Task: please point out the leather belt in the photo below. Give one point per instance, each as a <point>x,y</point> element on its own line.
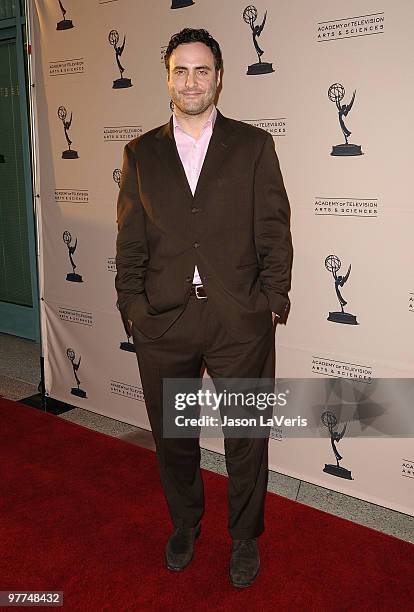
<point>199,292</point>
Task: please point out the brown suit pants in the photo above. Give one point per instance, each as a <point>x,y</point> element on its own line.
<point>197,340</point>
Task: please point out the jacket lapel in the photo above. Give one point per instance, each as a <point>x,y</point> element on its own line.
<point>218,150</point>
<point>167,150</point>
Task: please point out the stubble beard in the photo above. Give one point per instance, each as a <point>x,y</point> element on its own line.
<point>194,106</point>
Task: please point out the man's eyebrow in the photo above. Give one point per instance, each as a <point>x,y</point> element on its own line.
<point>204,67</point>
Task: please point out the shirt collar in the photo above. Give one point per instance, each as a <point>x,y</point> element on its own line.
<point>211,120</point>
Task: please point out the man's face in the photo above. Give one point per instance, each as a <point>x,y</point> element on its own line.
<point>192,79</point>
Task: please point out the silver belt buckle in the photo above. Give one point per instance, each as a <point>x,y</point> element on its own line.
<point>199,297</point>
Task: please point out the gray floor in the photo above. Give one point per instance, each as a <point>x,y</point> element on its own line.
<point>19,378</point>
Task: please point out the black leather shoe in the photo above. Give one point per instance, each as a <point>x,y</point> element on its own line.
<point>244,563</point>
<point>180,547</point>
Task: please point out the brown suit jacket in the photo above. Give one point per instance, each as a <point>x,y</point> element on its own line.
<point>236,229</point>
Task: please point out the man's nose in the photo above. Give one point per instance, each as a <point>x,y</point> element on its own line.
<point>191,80</point>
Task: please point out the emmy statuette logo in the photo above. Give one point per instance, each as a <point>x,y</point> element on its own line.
<point>336,94</point>
<point>177,4</point>
<point>72,276</point>
<point>75,390</point>
<point>122,82</point>
<point>65,24</point>
<point>333,265</point>
<point>330,421</point>
<point>116,175</point>
<point>128,345</point>
<point>69,153</point>
<point>250,16</point>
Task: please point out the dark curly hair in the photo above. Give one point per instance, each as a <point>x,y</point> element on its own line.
<point>189,35</point>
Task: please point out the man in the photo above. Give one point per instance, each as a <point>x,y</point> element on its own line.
<point>203,260</point>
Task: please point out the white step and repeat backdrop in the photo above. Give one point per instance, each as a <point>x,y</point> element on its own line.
<point>339,106</point>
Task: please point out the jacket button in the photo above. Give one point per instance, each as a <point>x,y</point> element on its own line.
<point>196,245</point>
<point>194,209</point>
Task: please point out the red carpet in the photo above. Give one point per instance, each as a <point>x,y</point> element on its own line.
<point>83,513</point>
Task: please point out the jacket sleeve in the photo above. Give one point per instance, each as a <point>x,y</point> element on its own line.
<point>131,245</point>
<point>272,229</point>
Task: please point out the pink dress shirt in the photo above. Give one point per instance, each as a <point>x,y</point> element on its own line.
<point>192,152</point>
